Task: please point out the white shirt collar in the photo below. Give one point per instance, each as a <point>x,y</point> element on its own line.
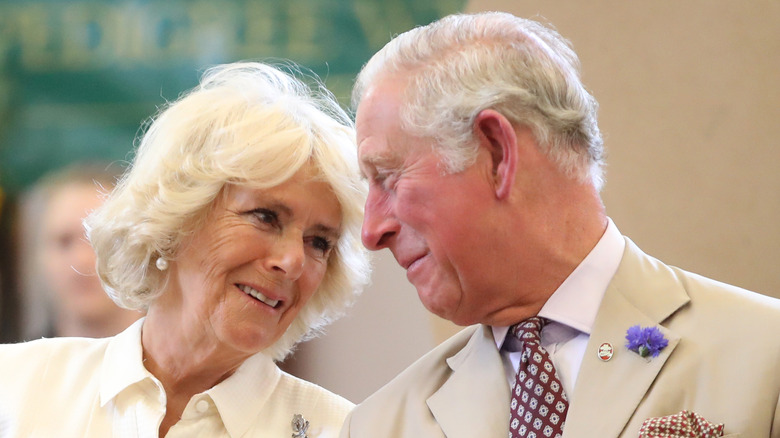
<point>576,301</point>
<point>239,398</point>
<point>123,364</point>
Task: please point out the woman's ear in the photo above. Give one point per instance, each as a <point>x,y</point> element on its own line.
<point>497,135</point>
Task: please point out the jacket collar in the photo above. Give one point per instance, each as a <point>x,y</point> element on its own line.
<point>474,401</point>
<point>643,292</point>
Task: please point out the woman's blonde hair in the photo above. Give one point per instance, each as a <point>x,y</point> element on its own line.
<point>249,124</point>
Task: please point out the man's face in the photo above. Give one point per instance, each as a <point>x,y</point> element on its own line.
<point>432,222</point>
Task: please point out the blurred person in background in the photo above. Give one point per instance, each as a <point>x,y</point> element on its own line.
<point>65,261</point>
<point>237,229</point>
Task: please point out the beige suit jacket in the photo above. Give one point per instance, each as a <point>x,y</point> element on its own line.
<point>722,362</point>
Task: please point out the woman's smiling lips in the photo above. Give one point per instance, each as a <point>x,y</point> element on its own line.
<point>258,296</point>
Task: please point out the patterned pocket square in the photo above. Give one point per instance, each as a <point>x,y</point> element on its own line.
<point>683,425</point>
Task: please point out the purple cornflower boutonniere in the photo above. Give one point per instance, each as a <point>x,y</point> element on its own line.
<point>648,341</point>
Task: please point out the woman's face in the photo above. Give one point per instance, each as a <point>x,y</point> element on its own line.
<point>257,259</point>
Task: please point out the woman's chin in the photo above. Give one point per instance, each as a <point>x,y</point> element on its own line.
<point>249,342</point>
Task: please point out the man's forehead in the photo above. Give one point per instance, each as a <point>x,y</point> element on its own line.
<point>376,156</point>
<point>378,109</point>
<point>377,125</point>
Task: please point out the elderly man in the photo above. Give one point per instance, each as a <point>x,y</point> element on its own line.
<point>485,163</point>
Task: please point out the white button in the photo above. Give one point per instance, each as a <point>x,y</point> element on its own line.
<point>202,406</point>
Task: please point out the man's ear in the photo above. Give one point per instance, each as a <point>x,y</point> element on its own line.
<point>497,135</point>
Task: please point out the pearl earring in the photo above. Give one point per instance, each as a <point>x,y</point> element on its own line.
<point>161,263</point>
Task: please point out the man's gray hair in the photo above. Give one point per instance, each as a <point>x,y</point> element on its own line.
<point>463,64</point>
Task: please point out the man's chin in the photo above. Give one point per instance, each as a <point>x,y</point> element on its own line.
<point>446,309</point>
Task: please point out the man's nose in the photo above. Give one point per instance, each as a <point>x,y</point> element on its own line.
<point>379,223</point>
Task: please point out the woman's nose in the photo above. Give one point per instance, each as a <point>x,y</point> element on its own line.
<point>287,257</point>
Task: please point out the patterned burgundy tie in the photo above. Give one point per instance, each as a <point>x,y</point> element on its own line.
<point>539,404</point>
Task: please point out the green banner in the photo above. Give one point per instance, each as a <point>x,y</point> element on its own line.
<point>77,78</point>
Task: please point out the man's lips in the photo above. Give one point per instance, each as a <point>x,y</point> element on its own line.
<point>408,263</point>
<point>258,296</point>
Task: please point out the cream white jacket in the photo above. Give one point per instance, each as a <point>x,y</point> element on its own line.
<point>78,387</point>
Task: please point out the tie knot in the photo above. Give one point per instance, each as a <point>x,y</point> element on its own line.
<point>528,330</point>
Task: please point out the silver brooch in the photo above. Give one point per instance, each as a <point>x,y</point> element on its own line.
<point>299,426</point>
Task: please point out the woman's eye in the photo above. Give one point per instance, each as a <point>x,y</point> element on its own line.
<point>322,244</point>
<point>266,216</point>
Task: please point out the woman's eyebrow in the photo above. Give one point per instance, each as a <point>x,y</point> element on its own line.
<point>285,210</point>
<point>333,233</point>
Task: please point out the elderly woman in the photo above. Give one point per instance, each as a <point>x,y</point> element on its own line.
<point>237,229</point>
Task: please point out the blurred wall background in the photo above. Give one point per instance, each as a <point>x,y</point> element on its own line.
<point>689,109</point>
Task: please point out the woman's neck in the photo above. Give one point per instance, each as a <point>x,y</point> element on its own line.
<point>185,363</point>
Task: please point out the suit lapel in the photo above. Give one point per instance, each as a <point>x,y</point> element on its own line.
<point>474,401</point>
<point>643,292</point>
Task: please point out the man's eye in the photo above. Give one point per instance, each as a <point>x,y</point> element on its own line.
<point>378,179</point>
<point>384,180</point>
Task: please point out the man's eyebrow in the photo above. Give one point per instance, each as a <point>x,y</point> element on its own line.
<point>375,161</point>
